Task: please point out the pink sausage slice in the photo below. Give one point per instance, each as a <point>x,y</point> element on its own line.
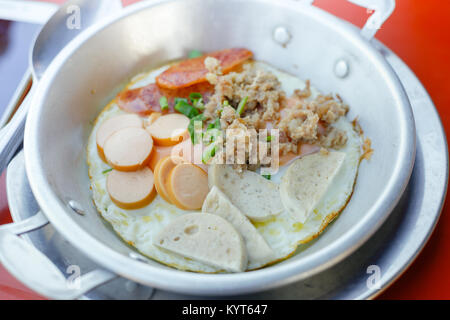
<point>131,190</point>
<point>112,125</point>
<point>188,186</point>
<point>129,149</point>
<point>169,130</point>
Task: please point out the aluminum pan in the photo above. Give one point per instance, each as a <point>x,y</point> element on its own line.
<point>53,204</point>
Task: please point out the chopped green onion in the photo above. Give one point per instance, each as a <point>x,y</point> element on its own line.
<point>107,170</point>
<point>213,130</point>
<point>176,100</point>
<point>182,106</point>
<point>267,176</point>
<point>269,138</point>
<point>209,153</point>
<point>241,106</point>
<point>211,135</point>
<point>191,128</point>
<point>163,103</point>
<point>214,125</point>
<point>195,96</point>
<point>226,103</point>
<point>199,104</point>
<point>195,54</point>
<point>197,100</point>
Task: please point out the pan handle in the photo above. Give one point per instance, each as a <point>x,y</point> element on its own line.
<point>32,267</point>
<point>11,135</point>
<point>382,11</point>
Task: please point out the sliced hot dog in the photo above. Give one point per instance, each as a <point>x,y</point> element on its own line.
<point>187,186</point>
<point>131,190</point>
<point>152,118</point>
<point>190,153</point>
<point>192,71</point>
<point>159,152</point>
<point>128,149</point>
<point>169,129</point>
<point>185,150</point>
<point>112,125</point>
<point>162,171</point>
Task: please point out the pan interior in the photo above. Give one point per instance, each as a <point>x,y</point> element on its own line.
<point>143,40</point>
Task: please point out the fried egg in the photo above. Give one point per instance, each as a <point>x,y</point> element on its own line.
<point>139,227</point>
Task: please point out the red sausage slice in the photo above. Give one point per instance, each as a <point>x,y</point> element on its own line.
<point>192,71</point>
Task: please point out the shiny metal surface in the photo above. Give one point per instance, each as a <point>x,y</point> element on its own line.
<point>21,259</point>
<point>399,241</point>
<point>60,30</point>
<point>62,258</point>
<point>27,11</point>
<point>382,10</point>
<point>54,36</point>
<point>89,69</point>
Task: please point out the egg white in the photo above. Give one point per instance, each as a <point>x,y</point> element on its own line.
<point>284,235</point>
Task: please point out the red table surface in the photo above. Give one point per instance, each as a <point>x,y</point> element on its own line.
<point>418,32</point>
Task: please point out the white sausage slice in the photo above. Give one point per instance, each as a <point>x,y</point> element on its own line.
<point>259,252</point>
<point>170,129</point>
<point>207,238</point>
<point>128,149</point>
<point>131,190</point>
<point>112,125</point>
<point>187,186</point>
<point>306,181</point>
<point>258,198</point>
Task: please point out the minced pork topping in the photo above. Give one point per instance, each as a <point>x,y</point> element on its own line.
<point>300,118</point>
